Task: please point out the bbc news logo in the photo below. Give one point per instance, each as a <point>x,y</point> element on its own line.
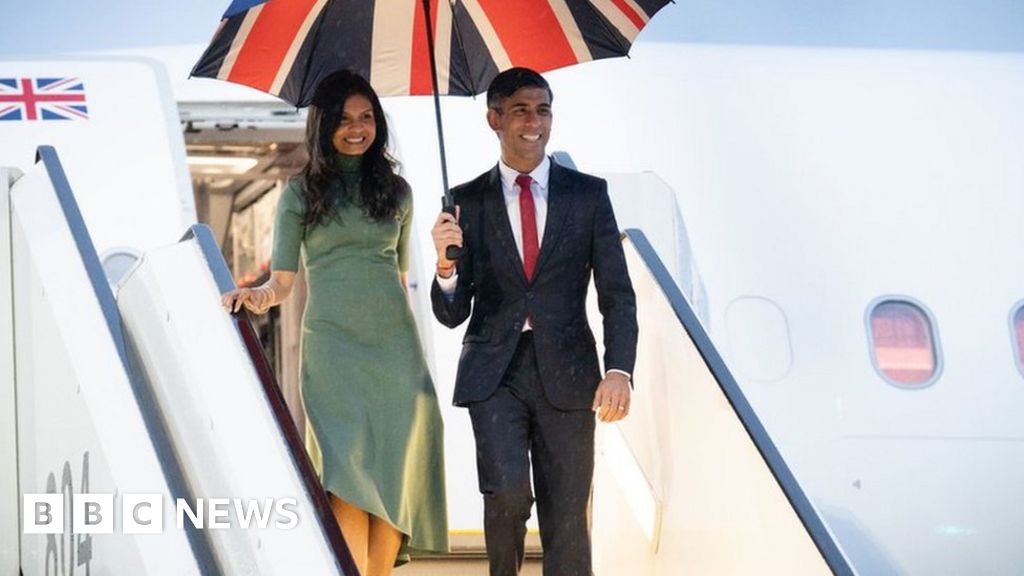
<point>144,513</point>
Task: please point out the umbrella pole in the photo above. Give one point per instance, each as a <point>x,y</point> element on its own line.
<point>447,200</point>
<point>447,203</point>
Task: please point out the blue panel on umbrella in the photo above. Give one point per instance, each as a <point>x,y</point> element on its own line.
<point>239,6</point>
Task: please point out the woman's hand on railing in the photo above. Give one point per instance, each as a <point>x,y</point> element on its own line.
<point>259,299</point>
<point>256,300</point>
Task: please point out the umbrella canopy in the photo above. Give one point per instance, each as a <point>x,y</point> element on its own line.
<point>410,47</point>
<point>286,47</point>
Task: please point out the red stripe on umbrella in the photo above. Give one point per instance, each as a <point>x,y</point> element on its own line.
<point>530,32</point>
<point>268,42</point>
<point>419,73</point>
<point>626,9</point>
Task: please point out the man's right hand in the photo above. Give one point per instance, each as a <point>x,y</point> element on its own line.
<point>446,232</point>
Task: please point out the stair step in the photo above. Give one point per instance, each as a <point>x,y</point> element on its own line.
<point>459,566</point>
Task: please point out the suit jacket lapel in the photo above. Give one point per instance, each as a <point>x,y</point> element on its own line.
<point>560,200</point>
<point>497,213</point>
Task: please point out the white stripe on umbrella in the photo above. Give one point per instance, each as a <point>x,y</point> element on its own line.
<point>391,49</point>
<point>296,45</point>
<point>486,30</point>
<point>239,41</point>
<point>443,45</point>
<point>617,18</point>
<point>571,30</point>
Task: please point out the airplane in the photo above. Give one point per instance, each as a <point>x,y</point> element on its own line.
<point>823,242</point>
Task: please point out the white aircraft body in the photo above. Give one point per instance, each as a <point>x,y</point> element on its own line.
<point>844,223</point>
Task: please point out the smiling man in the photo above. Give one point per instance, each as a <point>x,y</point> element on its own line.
<point>534,233</point>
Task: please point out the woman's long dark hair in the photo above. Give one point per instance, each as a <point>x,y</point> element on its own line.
<point>379,186</point>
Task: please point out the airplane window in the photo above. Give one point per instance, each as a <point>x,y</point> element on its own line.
<point>903,343</point>
<point>1018,331</point>
<point>758,339</point>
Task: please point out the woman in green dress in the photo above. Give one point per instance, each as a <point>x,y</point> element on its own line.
<point>374,427</point>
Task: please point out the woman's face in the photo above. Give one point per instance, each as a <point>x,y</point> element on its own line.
<point>358,127</point>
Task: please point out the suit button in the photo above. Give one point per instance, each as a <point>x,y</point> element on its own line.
<point>529,296</point>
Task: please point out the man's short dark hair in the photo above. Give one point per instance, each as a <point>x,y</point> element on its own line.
<point>506,83</point>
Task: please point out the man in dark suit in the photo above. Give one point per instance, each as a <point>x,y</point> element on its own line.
<point>534,232</point>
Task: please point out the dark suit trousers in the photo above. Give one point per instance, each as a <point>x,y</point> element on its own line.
<point>513,427</point>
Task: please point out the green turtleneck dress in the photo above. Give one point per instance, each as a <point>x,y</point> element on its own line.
<point>374,428</point>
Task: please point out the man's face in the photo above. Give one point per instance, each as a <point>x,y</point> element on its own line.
<point>523,125</point>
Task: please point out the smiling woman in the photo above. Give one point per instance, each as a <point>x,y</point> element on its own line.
<point>372,414</point>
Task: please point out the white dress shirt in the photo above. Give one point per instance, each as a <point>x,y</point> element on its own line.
<point>510,190</point>
<point>539,191</point>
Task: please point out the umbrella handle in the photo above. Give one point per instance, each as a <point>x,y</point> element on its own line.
<point>452,252</point>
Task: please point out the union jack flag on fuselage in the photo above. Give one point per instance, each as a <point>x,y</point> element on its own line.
<point>27,99</point>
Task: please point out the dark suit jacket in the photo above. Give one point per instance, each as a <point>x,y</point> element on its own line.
<point>580,237</point>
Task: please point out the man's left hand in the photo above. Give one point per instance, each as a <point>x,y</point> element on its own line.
<point>611,402</point>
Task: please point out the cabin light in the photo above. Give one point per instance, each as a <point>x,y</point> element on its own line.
<point>219,183</point>
<point>221,164</point>
<point>635,487</point>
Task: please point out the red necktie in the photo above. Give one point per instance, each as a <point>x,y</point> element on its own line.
<point>528,220</point>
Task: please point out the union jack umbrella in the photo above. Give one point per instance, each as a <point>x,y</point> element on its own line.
<point>286,47</point>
